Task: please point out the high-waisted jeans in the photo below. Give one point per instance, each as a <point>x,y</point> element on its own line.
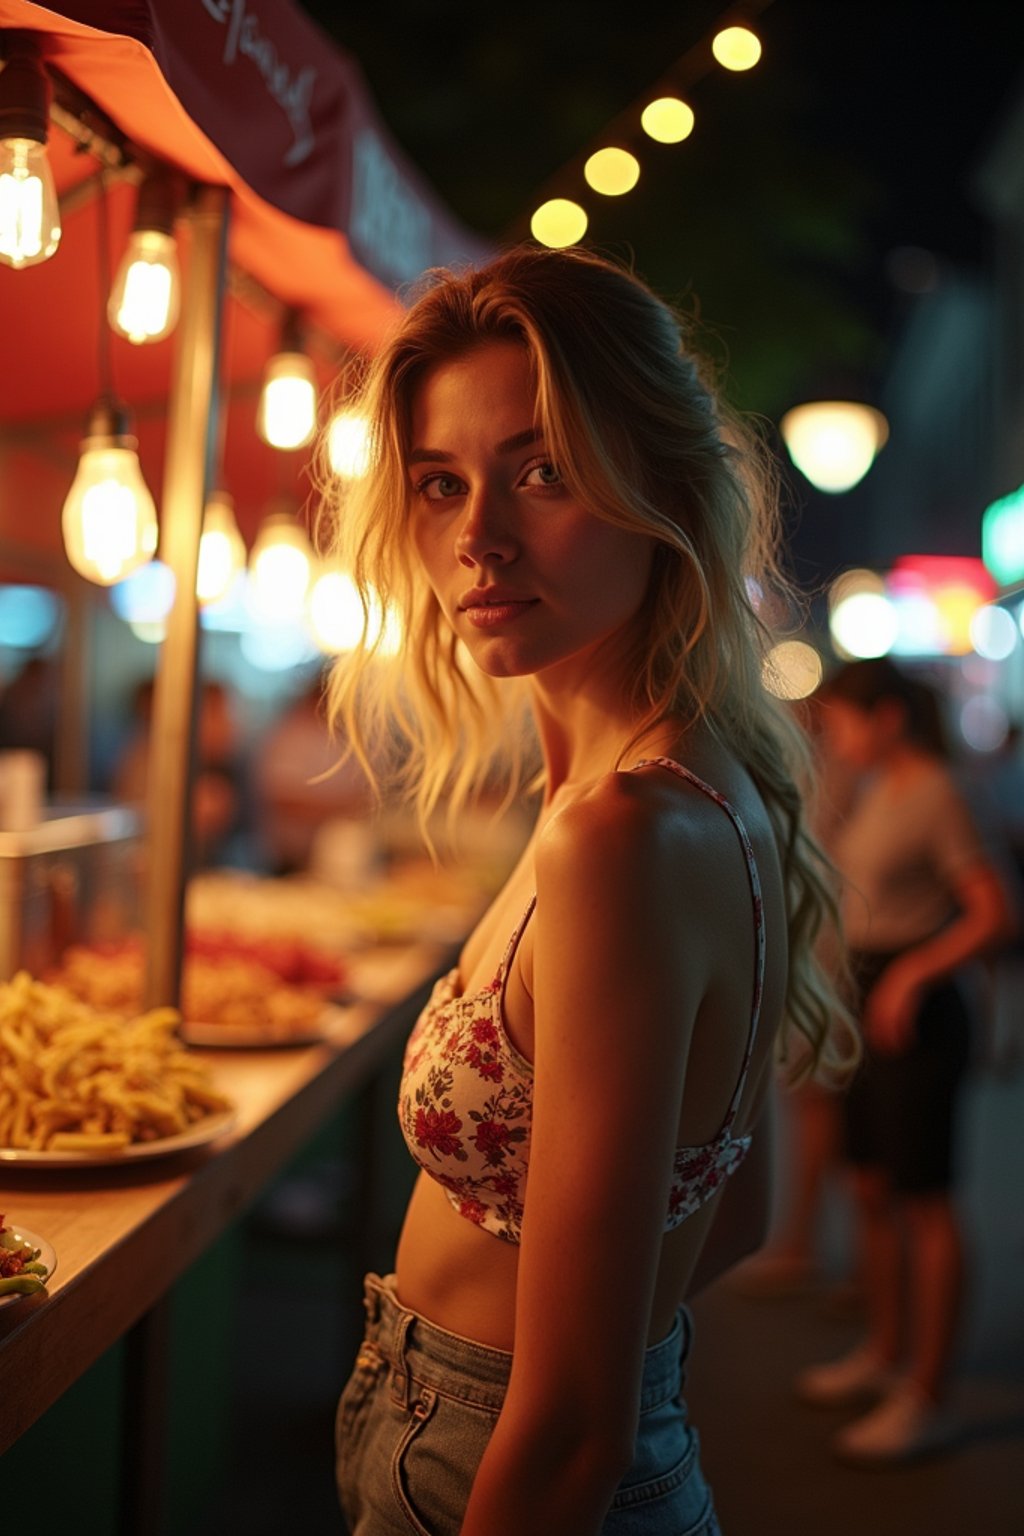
<point>419,1408</point>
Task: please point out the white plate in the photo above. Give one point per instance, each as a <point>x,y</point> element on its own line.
<point>197,1135</point>
<point>47,1256</point>
<point>263,1037</point>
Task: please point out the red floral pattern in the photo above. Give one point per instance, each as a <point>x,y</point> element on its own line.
<point>466,1100</point>
<point>463,1075</point>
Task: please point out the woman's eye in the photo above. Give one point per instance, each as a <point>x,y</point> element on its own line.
<point>543,475</point>
<point>439,487</point>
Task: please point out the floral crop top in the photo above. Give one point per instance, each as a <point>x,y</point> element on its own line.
<point>466,1098</point>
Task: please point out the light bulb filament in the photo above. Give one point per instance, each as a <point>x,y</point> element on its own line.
<point>24,236</point>
<point>147,297</point>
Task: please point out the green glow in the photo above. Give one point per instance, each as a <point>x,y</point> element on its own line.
<point>1002,538</point>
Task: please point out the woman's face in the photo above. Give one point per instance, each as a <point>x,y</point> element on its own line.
<point>528,578</point>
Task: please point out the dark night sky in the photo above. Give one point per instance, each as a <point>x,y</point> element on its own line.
<point>857,135</point>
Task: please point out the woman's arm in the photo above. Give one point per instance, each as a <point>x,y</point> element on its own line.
<point>616,995</point>
<point>985,918</point>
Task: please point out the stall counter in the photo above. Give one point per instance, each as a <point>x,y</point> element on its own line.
<point>124,1235</point>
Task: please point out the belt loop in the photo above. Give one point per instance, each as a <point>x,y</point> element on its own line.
<point>371,1303</point>
<point>686,1318</point>
<point>399,1373</point>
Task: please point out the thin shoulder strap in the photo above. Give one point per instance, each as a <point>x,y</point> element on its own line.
<point>758,903</point>
<point>513,944</point>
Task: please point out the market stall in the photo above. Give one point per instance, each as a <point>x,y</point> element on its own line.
<point>250,146</point>
<point>254,146</point>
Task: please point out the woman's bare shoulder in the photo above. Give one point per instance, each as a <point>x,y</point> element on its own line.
<point>628,831</point>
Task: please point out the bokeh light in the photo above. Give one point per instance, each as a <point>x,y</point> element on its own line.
<point>857,579</point>
<point>280,568</point>
<point>287,411</point>
<point>612,171</point>
<point>864,624</point>
<point>668,120</point>
<point>984,723</point>
<point>335,613</point>
<point>1002,538</point>
<point>920,631</point>
<point>146,596</point>
<point>149,634</point>
<point>348,445</point>
<point>993,632</point>
<point>277,647</point>
<point>558,223</point>
<point>791,670</point>
<point>29,617</point>
<point>834,442</point>
<point>736,48</point>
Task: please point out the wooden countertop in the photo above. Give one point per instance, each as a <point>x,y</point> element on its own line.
<point>123,1235</point>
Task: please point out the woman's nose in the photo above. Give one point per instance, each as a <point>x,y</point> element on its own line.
<point>485,531</point>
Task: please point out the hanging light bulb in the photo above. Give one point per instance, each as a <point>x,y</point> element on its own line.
<point>336,616</point>
<point>29,212</point>
<point>146,294</point>
<point>834,442</point>
<point>221,549</point>
<point>109,518</point>
<point>280,567</point>
<point>287,413</point>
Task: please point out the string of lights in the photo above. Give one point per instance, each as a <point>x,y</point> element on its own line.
<point>612,165</point>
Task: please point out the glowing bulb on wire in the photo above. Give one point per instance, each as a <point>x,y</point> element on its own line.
<point>145,297</point>
<point>221,549</point>
<point>109,517</point>
<point>280,567</point>
<point>29,211</point>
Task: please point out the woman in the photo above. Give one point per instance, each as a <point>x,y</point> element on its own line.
<point>922,899</point>
<point>563,518</point>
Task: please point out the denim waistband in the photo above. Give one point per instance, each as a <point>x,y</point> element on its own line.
<point>418,1350</point>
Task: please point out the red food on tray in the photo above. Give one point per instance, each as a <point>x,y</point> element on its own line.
<point>291,959</point>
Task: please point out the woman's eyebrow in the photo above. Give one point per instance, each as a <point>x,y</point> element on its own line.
<point>507,445</point>
<point>518,440</point>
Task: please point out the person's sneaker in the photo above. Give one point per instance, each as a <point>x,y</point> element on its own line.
<point>905,1424</point>
<point>857,1375</point>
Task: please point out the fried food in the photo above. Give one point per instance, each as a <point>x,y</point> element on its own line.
<point>73,1078</point>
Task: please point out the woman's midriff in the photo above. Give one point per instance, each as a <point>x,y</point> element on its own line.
<point>464,1279</point>
<point>451,1272</point>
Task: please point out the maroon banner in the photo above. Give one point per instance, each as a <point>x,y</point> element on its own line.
<point>291,112</point>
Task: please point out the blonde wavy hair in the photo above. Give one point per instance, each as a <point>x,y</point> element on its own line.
<point>640,437</point>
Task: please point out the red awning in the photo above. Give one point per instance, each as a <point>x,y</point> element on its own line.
<point>327,216</point>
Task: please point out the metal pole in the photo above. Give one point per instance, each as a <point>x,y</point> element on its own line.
<point>191,443</point>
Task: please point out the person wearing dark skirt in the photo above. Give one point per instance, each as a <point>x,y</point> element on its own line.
<point>921,900</point>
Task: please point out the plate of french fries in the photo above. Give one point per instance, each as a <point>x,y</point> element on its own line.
<point>79,1085</point>
<point>26,1263</point>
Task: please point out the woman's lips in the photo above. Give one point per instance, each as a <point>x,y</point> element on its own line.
<point>485,615</point>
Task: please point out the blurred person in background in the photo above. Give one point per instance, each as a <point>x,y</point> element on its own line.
<point>219,799</point>
<point>29,709</point>
<point>301,790</point>
<point>922,899</point>
<point>565,517</point>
